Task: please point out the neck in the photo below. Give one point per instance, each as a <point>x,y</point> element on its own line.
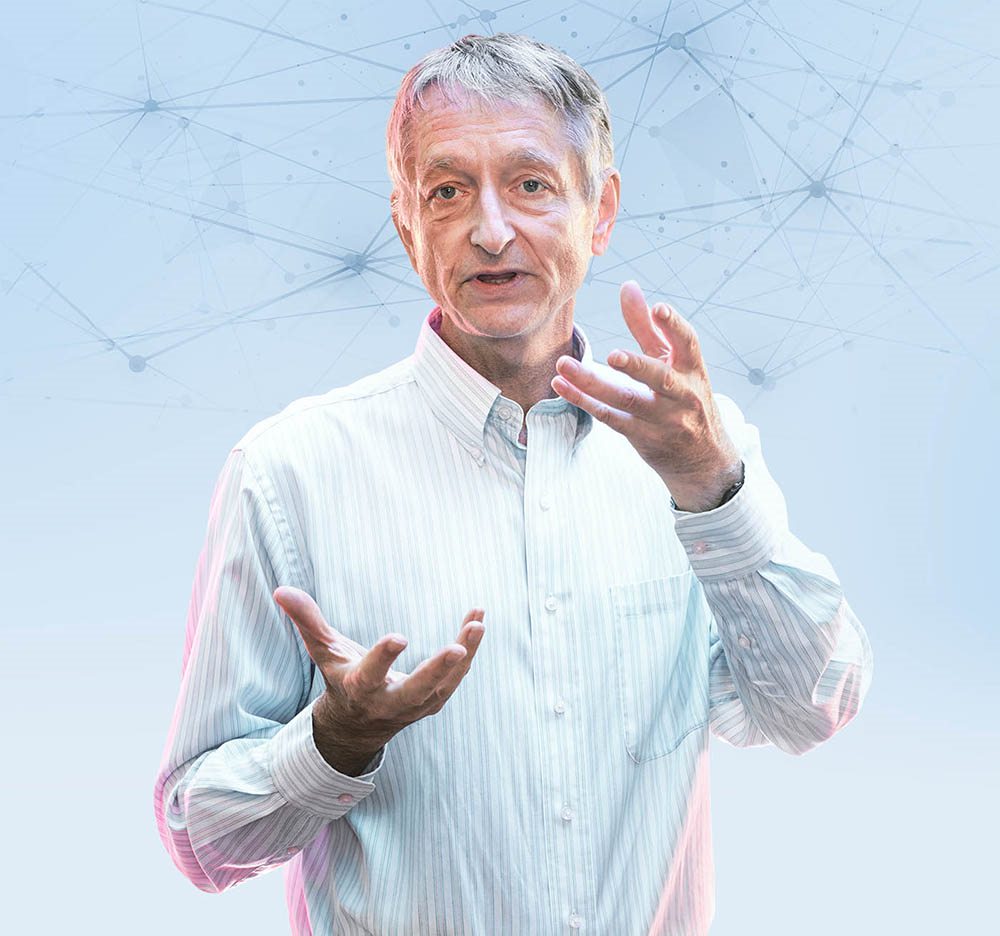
<point>522,366</point>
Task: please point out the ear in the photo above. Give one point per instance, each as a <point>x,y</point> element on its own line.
<point>404,232</point>
<point>607,211</point>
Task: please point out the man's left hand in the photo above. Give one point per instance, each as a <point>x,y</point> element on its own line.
<point>676,426</point>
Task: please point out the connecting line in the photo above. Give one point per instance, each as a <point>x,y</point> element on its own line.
<point>871,91</point>
<point>97,330</point>
<point>742,109</point>
<point>279,156</point>
<point>256,308</point>
<point>717,16</point>
<point>645,83</point>
<point>142,48</point>
<point>937,318</point>
<point>749,257</point>
<point>104,336</point>
<point>273,32</point>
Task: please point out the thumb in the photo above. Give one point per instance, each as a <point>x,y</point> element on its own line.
<point>320,639</point>
<point>639,320</point>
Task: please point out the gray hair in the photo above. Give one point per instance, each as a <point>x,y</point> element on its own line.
<point>504,68</point>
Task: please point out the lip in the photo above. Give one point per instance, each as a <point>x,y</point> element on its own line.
<point>492,288</point>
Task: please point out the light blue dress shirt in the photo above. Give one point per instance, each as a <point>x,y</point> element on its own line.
<point>564,787</point>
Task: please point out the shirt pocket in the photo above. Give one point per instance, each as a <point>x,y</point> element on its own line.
<point>661,634</point>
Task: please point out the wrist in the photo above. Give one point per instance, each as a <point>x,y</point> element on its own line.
<point>711,494</point>
<point>344,751</point>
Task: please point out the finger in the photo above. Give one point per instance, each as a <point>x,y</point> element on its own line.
<point>373,668</point>
<point>323,643</point>
<point>419,686</point>
<point>471,637</point>
<point>658,375</point>
<point>423,682</point>
<point>611,403</point>
<point>640,320</point>
<point>682,336</point>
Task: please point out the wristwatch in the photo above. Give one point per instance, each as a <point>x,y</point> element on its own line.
<point>730,491</point>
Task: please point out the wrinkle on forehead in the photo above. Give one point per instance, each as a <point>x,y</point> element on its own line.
<point>522,155</point>
<point>468,106</point>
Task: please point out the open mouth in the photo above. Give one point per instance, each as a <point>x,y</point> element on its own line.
<point>496,277</point>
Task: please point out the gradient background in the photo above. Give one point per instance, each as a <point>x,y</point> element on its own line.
<point>194,231</point>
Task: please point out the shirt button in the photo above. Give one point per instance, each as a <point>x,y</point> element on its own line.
<point>575,920</point>
<point>559,707</point>
<point>345,798</point>
<point>504,412</point>
<point>700,547</point>
<point>551,603</point>
<point>744,641</point>
<point>544,503</point>
<point>566,813</point>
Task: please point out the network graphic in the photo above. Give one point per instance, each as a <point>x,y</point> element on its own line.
<point>195,192</point>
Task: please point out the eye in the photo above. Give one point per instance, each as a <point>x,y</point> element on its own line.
<point>532,185</point>
<point>446,192</point>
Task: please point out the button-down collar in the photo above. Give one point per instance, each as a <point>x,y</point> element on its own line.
<point>463,399</point>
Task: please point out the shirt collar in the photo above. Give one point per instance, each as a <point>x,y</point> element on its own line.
<point>462,398</point>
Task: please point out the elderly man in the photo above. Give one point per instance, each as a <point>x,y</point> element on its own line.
<point>614,527</point>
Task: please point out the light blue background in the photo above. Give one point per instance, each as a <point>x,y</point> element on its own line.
<point>173,271</point>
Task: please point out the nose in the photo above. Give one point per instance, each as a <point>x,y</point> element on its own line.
<point>491,228</point>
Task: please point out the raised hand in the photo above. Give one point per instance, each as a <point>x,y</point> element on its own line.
<point>676,426</point>
<point>366,701</point>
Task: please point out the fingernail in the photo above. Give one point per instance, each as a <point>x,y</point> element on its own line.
<point>396,643</point>
<point>617,358</point>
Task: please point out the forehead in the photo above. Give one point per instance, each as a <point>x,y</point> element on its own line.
<point>446,132</point>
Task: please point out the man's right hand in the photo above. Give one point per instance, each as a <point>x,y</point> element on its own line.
<point>366,702</point>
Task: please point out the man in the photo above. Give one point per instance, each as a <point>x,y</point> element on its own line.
<point>615,529</point>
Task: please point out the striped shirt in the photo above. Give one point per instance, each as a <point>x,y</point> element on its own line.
<point>564,787</point>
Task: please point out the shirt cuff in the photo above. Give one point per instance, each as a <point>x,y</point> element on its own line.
<point>732,540</point>
<point>306,780</point>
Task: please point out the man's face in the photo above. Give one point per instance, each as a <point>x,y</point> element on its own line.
<point>499,230</point>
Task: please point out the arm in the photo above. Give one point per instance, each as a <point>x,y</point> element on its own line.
<point>242,786</point>
<point>790,663</point>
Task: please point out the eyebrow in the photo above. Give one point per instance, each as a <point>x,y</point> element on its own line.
<point>518,156</point>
